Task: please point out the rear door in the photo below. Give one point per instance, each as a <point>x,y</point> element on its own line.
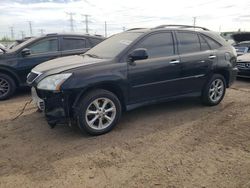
<point>196,58</point>
<point>74,45</point>
<point>158,76</point>
<point>41,51</point>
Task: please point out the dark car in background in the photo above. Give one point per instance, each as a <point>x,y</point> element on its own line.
<point>243,64</point>
<point>131,69</point>
<point>16,63</point>
<point>242,42</point>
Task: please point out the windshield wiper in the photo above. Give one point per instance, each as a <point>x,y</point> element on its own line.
<point>93,55</point>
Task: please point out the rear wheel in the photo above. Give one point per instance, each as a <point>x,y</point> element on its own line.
<point>7,86</point>
<point>214,91</point>
<point>98,112</point>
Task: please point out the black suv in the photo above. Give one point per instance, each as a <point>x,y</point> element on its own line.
<point>131,69</point>
<point>16,63</point>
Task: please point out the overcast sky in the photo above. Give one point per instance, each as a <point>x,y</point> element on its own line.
<point>50,15</point>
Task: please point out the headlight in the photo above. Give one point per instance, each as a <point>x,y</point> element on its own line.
<point>53,82</point>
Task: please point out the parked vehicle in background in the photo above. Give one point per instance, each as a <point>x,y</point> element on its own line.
<point>242,42</point>
<point>131,69</point>
<point>16,63</point>
<point>243,64</point>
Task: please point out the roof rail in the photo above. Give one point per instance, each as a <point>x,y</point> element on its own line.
<point>135,29</point>
<point>51,34</point>
<point>180,26</point>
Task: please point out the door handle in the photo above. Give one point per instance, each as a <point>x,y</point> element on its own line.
<point>212,57</point>
<point>174,62</point>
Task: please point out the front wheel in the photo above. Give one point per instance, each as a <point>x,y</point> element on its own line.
<point>214,90</point>
<point>98,112</point>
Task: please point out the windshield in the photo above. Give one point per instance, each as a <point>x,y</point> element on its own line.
<point>112,46</point>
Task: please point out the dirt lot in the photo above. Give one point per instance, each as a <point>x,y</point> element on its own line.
<point>176,144</point>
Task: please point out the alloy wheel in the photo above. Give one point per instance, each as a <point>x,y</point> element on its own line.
<point>216,90</point>
<point>100,113</point>
<point>4,87</point>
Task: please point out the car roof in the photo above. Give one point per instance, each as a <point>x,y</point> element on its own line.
<point>197,29</point>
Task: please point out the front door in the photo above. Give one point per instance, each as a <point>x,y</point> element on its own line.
<point>41,51</point>
<point>158,75</point>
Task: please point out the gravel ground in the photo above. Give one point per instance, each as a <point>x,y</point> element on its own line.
<point>174,144</point>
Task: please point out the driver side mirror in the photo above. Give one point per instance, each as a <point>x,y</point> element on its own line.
<point>138,54</point>
<point>26,52</point>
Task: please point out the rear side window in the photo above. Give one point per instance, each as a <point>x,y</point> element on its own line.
<point>188,42</point>
<point>95,41</point>
<point>73,43</point>
<point>158,45</point>
<point>44,46</point>
<point>204,44</point>
<point>212,43</point>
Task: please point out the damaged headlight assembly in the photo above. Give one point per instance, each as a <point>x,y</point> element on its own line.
<point>54,82</point>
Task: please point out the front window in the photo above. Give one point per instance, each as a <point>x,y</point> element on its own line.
<point>44,46</point>
<point>114,45</point>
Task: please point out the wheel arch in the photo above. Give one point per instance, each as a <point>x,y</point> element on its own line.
<point>225,74</point>
<point>10,73</point>
<point>109,86</point>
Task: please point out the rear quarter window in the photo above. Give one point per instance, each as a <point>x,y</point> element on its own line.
<point>212,43</point>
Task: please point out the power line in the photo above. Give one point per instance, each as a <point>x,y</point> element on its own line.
<point>22,34</point>
<point>194,21</point>
<point>12,32</point>
<point>41,31</point>
<point>86,22</point>
<point>71,20</point>
<point>30,26</point>
<point>105,28</point>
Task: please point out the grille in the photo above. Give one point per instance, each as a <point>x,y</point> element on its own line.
<point>243,65</point>
<point>32,76</point>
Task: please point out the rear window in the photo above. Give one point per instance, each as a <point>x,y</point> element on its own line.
<point>188,42</point>
<point>73,44</point>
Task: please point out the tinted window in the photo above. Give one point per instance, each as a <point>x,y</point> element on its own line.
<point>204,44</point>
<point>50,45</point>
<point>95,41</point>
<point>73,43</point>
<point>213,44</point>
<point>158,45</point>
<point>188,42</point>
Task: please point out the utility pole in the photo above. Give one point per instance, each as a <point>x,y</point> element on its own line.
<point>105,27</point>
<point>22,34</point>
<point>30,26</point>
<point>12,32</point>
<point>71,20</point>
<point>86,22</point>
<point>41,31</point>
<point>194,20</point>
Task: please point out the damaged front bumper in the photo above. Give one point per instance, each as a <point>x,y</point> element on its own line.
<point>57,107</point>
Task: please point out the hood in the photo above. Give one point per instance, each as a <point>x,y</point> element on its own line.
<point>65,63</point>
<point>242,36</point>
<point>244,58</point>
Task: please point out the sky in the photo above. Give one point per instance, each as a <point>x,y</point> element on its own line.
<point>52,15</point>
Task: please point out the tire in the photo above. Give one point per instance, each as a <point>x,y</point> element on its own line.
<point>93,117</point>
<point>214,90</point>
<point>7,86</point>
